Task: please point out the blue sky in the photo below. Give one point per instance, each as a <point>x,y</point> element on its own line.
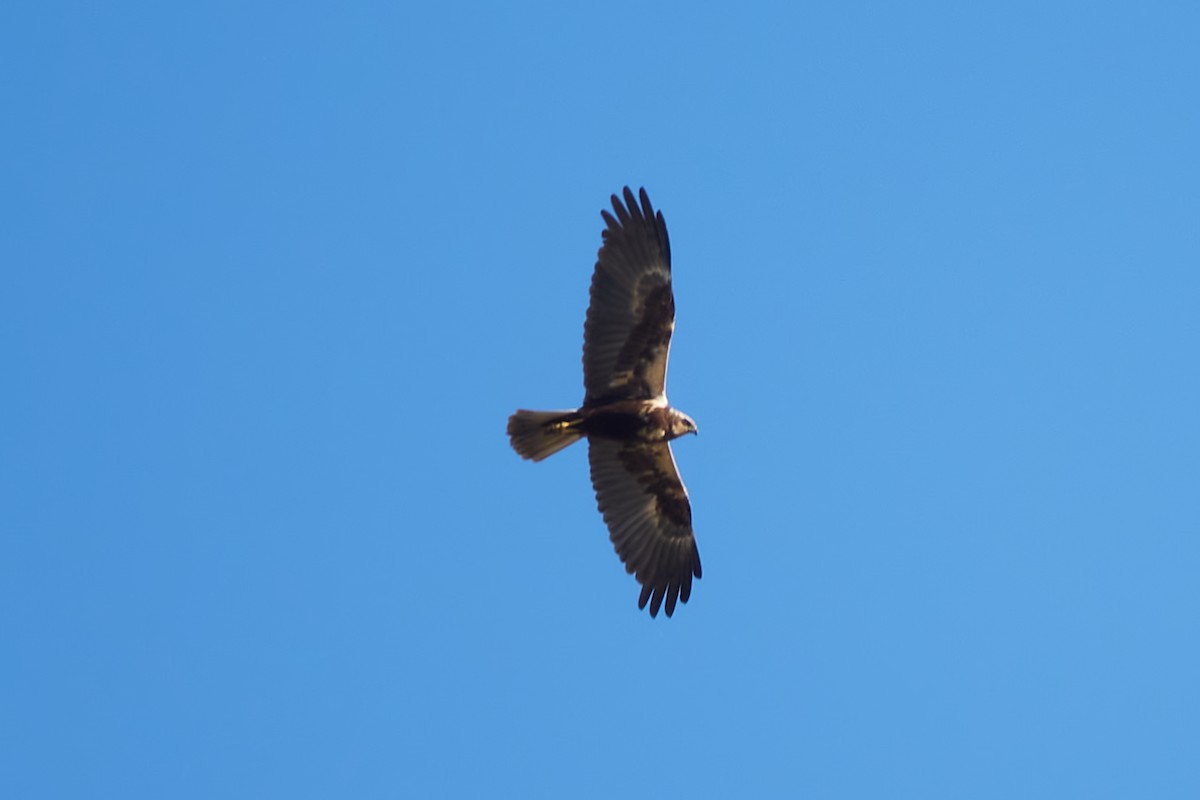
<point>275,275</point>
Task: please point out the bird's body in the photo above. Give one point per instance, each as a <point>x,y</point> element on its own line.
<point>644,420</point>
<point>625,414</point>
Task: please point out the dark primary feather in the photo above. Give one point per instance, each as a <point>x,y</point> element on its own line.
<point>627,335</point>
<point>649,518</point>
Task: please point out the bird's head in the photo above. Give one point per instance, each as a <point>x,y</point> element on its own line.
<point>681,424</point>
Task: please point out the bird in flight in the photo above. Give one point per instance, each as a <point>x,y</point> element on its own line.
<point>625,415</point>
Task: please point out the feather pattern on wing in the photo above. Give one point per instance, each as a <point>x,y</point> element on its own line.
<point>631,314</point>
<point>649,518</point>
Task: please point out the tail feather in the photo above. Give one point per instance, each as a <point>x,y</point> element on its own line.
<point>539,434</point>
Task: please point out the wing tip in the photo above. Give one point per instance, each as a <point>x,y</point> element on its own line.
<point>665,593</point>
<point>627,205</point>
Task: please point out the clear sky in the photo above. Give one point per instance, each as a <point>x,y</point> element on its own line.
<point>272,277</point>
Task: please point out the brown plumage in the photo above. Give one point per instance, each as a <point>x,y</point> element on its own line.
<point>625,415</point>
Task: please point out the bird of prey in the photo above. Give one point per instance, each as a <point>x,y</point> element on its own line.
<point>625,416</point>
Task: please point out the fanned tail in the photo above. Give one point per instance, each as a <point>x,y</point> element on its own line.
<point>539,434</point>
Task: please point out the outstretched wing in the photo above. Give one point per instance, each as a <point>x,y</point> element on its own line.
<point>627,335</point>
<point>648,515</point>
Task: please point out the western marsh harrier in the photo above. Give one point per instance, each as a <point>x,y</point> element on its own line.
<point>625,415</point>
